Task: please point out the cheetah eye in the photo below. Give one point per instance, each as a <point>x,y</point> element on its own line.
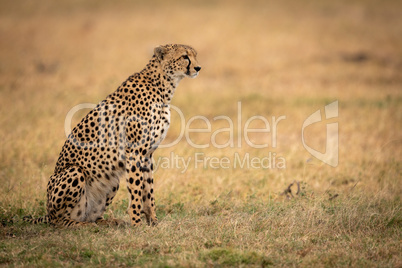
<point>185,57</point>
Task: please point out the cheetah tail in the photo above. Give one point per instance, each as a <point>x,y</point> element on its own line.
<point>43,219</point>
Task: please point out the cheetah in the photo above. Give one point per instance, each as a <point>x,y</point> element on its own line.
<point>116,140</point>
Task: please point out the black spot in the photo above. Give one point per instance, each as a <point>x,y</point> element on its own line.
<point>144,169</point>
<point>137,182</point>
<point>75,183</point>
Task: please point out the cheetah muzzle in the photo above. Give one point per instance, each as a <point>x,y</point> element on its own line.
<point>116,140</point>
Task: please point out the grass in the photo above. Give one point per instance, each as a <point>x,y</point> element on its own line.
<point>277,59</point>
<point>306,231</point>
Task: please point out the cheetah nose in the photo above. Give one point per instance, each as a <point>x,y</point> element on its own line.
<point>198,68</point>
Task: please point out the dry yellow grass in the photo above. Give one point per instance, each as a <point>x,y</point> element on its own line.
<point>277,59</point>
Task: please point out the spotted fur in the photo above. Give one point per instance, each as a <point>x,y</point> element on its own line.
<point>116,140</point>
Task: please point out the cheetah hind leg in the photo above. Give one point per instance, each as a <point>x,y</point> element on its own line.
<point>63,199</point>
<point>111,221</point>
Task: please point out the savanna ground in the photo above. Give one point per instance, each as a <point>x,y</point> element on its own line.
<point>288,58</point>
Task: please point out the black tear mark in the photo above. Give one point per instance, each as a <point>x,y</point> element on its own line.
<point>188,66</point>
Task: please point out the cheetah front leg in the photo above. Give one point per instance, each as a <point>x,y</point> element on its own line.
<point>148,199</point>
<point>135,186</point>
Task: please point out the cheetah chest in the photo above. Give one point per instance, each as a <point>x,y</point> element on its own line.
<point>145,134</point>
<point>161,126</point>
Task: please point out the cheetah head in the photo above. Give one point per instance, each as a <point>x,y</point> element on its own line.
<point>178,61</point>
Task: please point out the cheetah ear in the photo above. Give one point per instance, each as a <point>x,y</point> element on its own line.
<point>160,52</point>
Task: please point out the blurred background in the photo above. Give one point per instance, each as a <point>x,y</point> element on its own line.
<point>278,58</point>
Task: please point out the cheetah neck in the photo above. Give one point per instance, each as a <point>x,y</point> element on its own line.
<point>166,83</point>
